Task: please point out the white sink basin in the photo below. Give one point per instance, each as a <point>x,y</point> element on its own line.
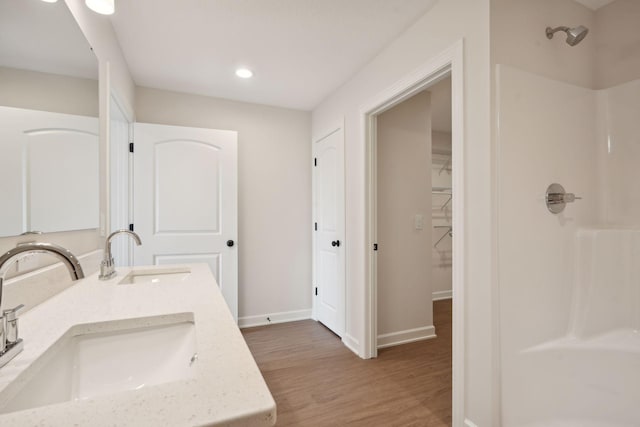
<point>83,365</point>
<point>156,275</point>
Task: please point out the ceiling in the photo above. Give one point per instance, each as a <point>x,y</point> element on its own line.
<point>594,4</point>
<point>299,50</point>
<point>44,37</point>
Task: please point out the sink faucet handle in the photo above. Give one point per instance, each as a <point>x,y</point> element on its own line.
<point>10,314</point>
<point>10,325</point>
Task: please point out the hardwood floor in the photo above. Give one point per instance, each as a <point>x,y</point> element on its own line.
<point>317,381</point>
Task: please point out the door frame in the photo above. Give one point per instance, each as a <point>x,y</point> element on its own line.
<point>337,125</point>
<point>123,166</point>
<point>448,62</point>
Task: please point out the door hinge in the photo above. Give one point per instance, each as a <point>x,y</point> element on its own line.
<point>130,227</point>
<point>315,226</point>
<point>131,147</point>
<point>315,161</point>
<point>316,290</point>
<point>375,246</point>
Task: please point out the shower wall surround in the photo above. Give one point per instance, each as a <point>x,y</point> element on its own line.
<point>568,283</point>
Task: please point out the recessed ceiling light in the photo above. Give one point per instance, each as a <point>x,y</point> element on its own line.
<point>49,1</point>
<point>103,7</point>
<point>244,73</point>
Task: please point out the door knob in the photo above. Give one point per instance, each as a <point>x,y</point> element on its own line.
<point>230,243</point>
<point>335,243</point>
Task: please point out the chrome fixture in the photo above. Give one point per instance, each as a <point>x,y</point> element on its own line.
<point>557,198</point>
<point>107,267</point>
<point>574,35</point>
<point>10,343</point>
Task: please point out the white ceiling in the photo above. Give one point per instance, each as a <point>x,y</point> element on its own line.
<point>299,50</point>
<point>594,4</point>
<point>44,37</point>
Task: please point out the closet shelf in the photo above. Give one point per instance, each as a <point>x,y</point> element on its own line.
<point>446,191</point>
<point>444,166</point>
<point>449,232</point>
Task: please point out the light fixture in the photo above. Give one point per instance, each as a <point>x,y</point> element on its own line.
<point>49,1</point>
<point>103,7</point>
<point>244,73</point>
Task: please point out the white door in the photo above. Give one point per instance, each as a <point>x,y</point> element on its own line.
<point>329,245</point>
<point>185,200</point>
<point>48,171</point>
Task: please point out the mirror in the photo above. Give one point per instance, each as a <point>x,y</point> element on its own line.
<point>49,136</point>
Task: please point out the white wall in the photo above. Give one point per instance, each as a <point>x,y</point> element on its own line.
<point>48,92</point>
<point>404,191</point>
<point>448,22</point>
<point>547,134</point>
<point>274,192</point>
<point>518,38</point>
<point>114,70</point>
<point>551,126</point>
<point>617,39</point>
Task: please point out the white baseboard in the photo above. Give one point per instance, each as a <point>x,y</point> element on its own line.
<point>439,295</point>
<point>469,423</point>
<point>272,318</point>
<point>407,336</point>
<point>351,343</point>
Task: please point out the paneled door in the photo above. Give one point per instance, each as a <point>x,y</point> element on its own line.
<point>185,200</point>
<point>329,230</point>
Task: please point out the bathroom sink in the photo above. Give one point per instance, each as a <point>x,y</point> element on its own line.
<point>82,365</point>
<point>156,275</point>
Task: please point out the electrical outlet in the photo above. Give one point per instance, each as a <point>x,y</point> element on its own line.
<point>418,222</point>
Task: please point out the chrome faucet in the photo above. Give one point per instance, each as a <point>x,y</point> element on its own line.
<point>10,343</point>
<point>107,267</point>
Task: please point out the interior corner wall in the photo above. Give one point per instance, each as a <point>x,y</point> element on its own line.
<point>404,191</point>
<point>617,43</point>
<point>442,26</point>
<point>518,38</point>
<point>102,38</point>
<point>274,193</point>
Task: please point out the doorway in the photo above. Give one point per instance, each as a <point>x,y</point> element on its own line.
<point>413,212</point>
<point>448,64</point>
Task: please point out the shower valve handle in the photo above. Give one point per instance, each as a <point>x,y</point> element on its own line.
<point>557,198</point>
<point>570,198</point>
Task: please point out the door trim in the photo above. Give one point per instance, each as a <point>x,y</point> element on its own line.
<point>120,201</point>
<point>336,127</point>
<point>449,62</point>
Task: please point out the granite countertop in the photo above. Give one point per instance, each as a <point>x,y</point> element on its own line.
<point>227,388</point>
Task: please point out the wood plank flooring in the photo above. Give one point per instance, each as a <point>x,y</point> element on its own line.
<point>316,381</point>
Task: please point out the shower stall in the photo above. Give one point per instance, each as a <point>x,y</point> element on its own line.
<point>568,113</point>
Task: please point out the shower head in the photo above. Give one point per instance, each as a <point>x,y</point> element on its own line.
<point>574,35</point>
